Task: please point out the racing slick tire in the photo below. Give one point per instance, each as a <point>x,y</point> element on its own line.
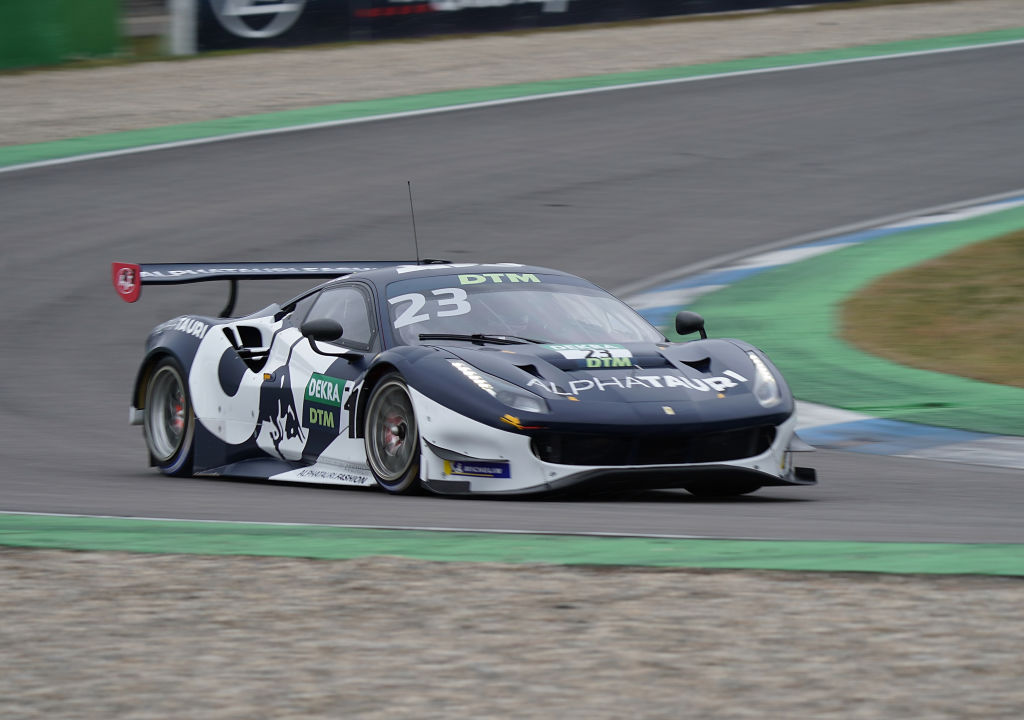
<point>391,436</point>
<point>169,422</point>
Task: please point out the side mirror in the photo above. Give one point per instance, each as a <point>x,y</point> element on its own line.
<point>688,322</point>
<point>323,329</point>
<point>326,330</point>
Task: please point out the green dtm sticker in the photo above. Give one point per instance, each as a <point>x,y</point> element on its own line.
<point>477,278</point>
<point>323,402</point>
<point>604,362</point>
<point>596,355</point>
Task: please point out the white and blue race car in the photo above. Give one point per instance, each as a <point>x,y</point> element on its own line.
<point>491,379</point>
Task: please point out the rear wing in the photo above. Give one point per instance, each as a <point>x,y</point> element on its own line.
<point>129,278</point>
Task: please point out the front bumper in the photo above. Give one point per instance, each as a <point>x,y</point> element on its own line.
<point>461,456</point>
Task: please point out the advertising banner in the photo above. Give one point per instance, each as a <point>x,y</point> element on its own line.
<point>230,24</point>
<point>226,24</point>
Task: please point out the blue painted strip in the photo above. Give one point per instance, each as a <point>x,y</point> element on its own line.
<point>717,277</point>
<point>874,435</point>
<point>729,276</point>
<point>859,237</point>
<point>885,437</point>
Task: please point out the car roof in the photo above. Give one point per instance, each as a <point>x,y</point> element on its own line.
<point>384,276</point>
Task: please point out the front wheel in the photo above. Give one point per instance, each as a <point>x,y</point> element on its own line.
<point>391,436</point>
<point>168,420</point>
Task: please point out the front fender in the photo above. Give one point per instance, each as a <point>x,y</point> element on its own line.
<point>402,360</point>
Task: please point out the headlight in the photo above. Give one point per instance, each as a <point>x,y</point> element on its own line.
<point>503,391</point>
<point>766,387</point>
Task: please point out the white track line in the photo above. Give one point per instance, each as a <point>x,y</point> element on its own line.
<point>669,276</point>
<point>496,103</point>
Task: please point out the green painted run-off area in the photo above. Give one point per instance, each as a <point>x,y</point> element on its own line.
<point>339,543</point>
<point>791,312</point>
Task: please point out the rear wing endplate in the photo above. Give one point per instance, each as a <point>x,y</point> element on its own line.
<point>129,278</point>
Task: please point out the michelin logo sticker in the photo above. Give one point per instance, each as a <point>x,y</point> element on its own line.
<point>476,468</point>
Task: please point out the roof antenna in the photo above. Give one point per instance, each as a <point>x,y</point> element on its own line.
<point>412,210</point>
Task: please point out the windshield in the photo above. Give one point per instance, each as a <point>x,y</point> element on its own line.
<point>543,308</point>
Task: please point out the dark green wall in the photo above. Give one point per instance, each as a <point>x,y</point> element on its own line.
<point>47,32</point>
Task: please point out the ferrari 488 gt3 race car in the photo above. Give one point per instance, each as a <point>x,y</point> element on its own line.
<point>458,378</point>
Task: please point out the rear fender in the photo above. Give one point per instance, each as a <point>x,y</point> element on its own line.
<point>178,338</point>
<point>138,404</point>
<point>142,377</point>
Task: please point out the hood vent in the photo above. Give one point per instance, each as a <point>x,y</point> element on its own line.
<point>702,366</point>
<point>532,369</point>
<point>683,355</point>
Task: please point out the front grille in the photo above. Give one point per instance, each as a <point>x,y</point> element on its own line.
<point>650,449</point>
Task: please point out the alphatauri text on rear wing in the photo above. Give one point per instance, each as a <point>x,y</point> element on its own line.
<point>129,278</point>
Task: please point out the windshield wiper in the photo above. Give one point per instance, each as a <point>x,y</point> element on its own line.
<point>481,338</point>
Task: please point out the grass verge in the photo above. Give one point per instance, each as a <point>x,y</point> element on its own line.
<point>960,313</point>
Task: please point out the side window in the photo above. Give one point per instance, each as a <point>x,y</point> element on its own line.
<point>350,306</point>
<point>301,309</point>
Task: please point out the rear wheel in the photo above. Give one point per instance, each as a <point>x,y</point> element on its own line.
<point>392,437</point>
<point>168,420</point>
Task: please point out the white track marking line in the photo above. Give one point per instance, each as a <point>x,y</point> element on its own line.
<point>497,103</point>
<point>811,415</point>
<point>787,256</point>
<point>720,261</point>
<point>665,298</point>
<point>957,215</point>
<point>1005,451</point>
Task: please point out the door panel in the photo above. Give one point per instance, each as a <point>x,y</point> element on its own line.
<point>311,420</point>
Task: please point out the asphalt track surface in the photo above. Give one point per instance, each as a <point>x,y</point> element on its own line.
<point>615,186</point>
